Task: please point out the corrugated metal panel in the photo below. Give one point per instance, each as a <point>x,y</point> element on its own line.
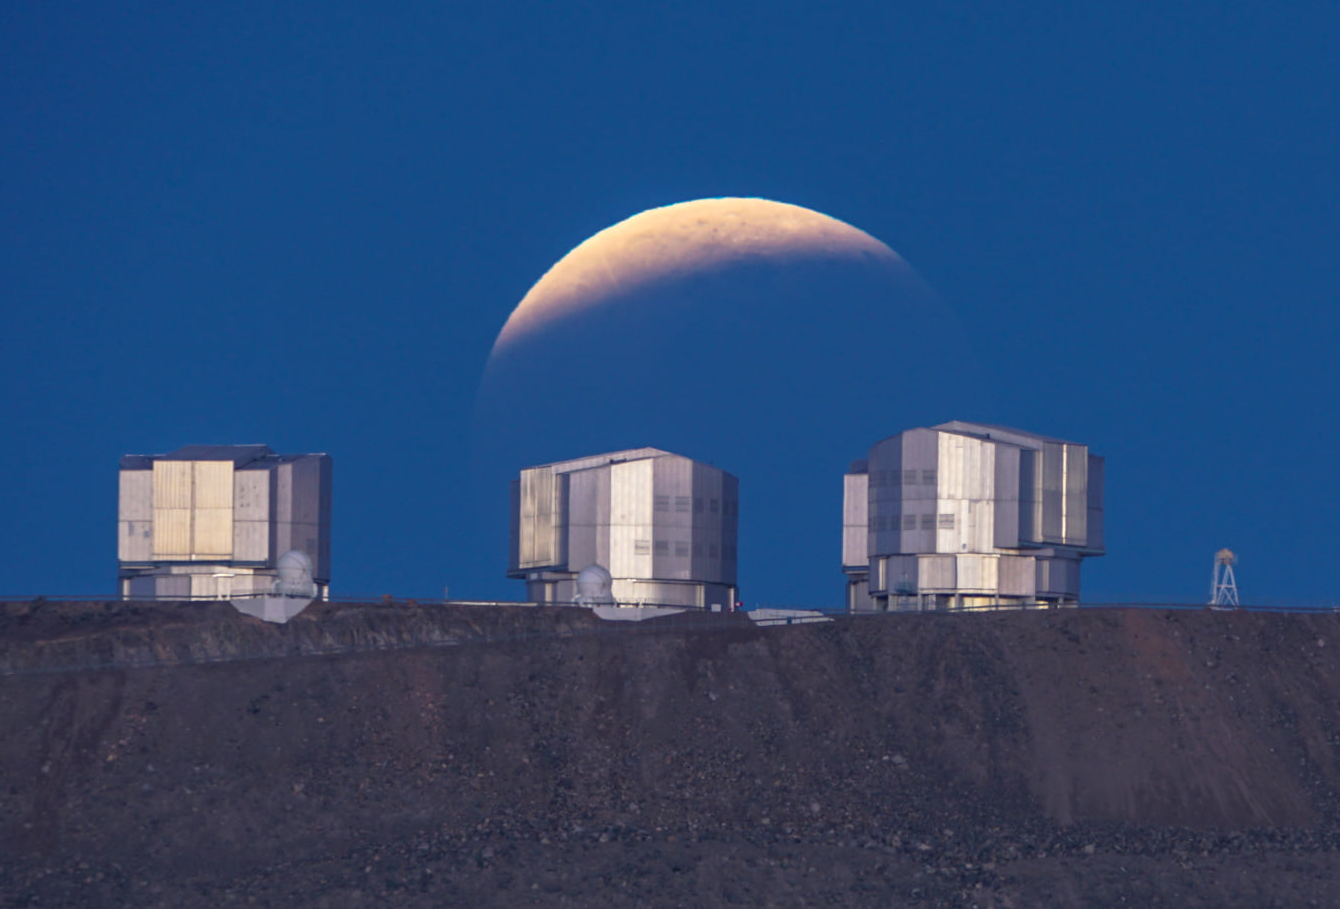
<point>588,517</point>
<point>917,483</point>
<point>536,528</point>
<point>937,572</point>
<point>623,590</point>
<point>247,584</point>
<point>1005,534</point>
<point>964,525</point>
<point>251,495</point>
<point>855,529</point>
<point>144,587</point>
<point>965,479</point>
<point>672,480</point>
<point>1030,496</point>
<point>213,484</point>
<point>920,462</point>
<point>1018,576</point>
<point>135,516</point>
<point>301,510</point>
<point>602,504</point>
<point>878,573</point>
<point>284,538</point>
<point>537,515</point>
<point>251,513</point>
<point>213,534</point>
<point>172,533</point>
<point>886,498</point>
<point>172,484</point>
<point>584,497</point>
<point>1072,579</point>
<point>1053,491</point>
<point>954,463</point>
<point>1076,494</point>
<point>730,534</point>
<point>283,492</point>
<point>136,499</point>
<point>559,534</point>
<point>661,593</point>
<point>898,575</point>
<point>251,541</point>
<point>203,587</point>
<point>307,488</point>
<point>977,574</point>
<point>712,536</point>
<point>631,504</point>
<point>172,587</point>
<point>1058,578</point>
<point>854,549</point>
<point>135,541</point>
<point>322,568</point>
<point>1043,574</point>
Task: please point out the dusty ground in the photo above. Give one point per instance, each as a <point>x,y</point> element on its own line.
<point>425,756</point>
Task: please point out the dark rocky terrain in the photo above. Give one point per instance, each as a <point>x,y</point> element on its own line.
<point>406,755</point>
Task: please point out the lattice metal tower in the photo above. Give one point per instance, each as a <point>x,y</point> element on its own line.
<point>1224,589</point>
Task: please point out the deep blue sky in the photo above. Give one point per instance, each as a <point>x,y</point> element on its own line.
<point>304,225</point>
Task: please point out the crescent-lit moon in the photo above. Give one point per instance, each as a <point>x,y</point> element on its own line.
<point>678,239</point>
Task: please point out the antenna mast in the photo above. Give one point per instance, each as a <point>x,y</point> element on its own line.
<point>1224,587</point>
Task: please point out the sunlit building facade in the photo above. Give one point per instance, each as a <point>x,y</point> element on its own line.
<point>214,521</point>
<point>967,515</point>
<point>660,528</point>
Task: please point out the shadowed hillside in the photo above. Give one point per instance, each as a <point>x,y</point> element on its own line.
<point>417,755</point>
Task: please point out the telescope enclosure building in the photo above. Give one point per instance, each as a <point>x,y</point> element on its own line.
<point>968,515</point>
<point>663,526</point>
<point>214,521</point>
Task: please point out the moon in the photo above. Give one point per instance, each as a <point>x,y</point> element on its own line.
<point>677,240</point>
<point>771,340</point>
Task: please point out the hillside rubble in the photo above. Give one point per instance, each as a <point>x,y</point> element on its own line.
<point>407,755</point>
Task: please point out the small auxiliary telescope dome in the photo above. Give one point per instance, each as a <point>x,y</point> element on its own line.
<point>593,585</point>
<point>295,575</point>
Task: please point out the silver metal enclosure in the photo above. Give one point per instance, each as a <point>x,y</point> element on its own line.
<point>212,521</point>
<point>967,515</point>
<point>663,526</point>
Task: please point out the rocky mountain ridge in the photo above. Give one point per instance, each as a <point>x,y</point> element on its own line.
<point>407,754</point>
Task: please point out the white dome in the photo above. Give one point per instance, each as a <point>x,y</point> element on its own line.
<point>593,584</point>
<point>295,575</point>
<point>295,558</point>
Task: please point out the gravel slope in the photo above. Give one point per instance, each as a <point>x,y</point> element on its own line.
<point>415,755</point>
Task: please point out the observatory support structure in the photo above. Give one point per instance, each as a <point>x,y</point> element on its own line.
<point>1224,586</point>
